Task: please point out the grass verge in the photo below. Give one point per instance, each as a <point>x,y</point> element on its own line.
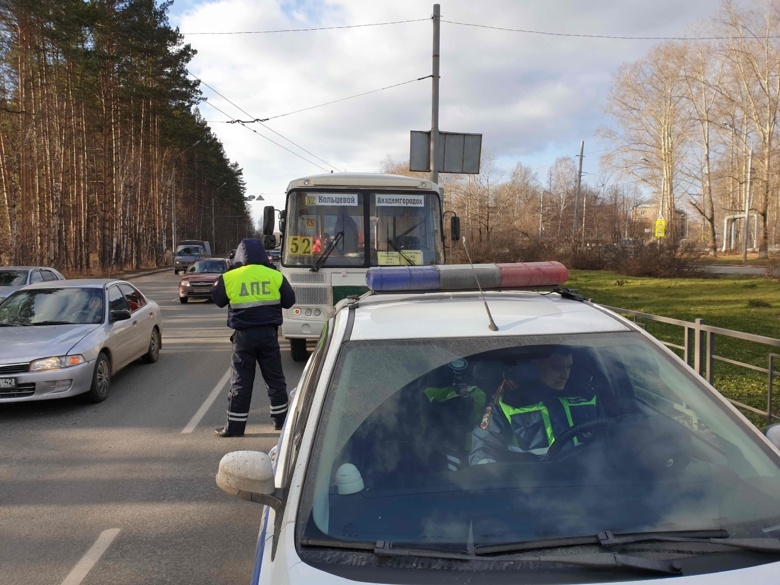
<point>746,304</point>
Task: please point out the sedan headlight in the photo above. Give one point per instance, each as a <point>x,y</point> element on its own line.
<point>184,283</point>
<point>56,363</point>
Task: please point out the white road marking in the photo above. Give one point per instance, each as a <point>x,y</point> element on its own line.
<point>206,405</point>
<point>93,555</point>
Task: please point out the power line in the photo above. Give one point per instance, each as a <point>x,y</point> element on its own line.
<point>588,36</point>
<point>263,125</point>
<point>288,30</point>
<point>490,27</point>
<point>337,101</point>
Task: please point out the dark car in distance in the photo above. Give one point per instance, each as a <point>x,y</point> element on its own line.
<point>200,278</point>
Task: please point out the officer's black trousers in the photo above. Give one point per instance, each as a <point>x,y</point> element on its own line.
<point>256,345</point>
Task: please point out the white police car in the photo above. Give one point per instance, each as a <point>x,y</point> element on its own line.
<point>376,478</point>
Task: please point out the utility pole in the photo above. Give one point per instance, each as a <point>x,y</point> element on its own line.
<point>747,209</point>
<point>577,195</point>
<point>435,94</point>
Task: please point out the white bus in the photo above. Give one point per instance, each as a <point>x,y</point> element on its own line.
<point>335,226</point>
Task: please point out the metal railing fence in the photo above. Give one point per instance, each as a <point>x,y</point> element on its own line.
<point>699,352</point>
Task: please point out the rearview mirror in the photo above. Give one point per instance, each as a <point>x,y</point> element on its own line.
<point>455,228</point>
<point>269,218</point>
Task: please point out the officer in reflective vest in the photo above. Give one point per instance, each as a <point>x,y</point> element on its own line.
<point>528,420</point>
<point>255,294</point>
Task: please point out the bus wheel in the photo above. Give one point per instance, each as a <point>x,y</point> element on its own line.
<point>298,350</point>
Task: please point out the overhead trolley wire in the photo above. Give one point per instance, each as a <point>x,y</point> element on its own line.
<point>243,123</point>
<point>266,137</point>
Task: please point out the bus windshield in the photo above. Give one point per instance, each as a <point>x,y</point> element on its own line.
<point>362,228</point>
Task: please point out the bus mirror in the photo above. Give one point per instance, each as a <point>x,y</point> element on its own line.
<point>455,228</point>
<point>269,217</point>
<point>282,220</point>
<point>269,242</point>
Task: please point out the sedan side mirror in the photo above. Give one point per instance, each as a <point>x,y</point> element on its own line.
<point>120,315</point>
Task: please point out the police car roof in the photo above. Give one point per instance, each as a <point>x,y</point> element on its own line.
<point>432,315</point>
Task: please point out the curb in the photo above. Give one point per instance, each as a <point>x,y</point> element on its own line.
<point>138,274</point>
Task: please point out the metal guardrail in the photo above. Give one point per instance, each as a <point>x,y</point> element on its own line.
<point>699,353</point>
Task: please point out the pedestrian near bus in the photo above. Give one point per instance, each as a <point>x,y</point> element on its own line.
<point>255,294</point>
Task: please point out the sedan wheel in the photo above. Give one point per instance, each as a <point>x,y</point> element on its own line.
<point>101,380</point>
<point>153,354</point>
<point>183,299</point>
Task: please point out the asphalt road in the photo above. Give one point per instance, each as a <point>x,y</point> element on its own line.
<point>736,269</point>
<point>123,492</point>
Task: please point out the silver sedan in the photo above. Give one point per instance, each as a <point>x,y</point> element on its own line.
<point>12,278</point>
<point>70,337</point>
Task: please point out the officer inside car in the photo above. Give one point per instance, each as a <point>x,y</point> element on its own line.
<point>528,417</point>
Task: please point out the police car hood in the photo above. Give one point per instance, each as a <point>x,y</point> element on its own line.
<point>251,251</point>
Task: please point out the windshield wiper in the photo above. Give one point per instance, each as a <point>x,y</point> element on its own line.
<point>52,323</point>
<point>607,539</point>
<point>326,252</point>
<point>594,561</point>
<point>404,256</point>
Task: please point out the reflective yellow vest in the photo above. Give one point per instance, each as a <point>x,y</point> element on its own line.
<point>253,285</point>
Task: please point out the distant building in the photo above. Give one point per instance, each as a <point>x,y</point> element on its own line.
<point>643,221</point>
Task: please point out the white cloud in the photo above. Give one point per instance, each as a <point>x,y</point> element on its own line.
<point>533,97</point>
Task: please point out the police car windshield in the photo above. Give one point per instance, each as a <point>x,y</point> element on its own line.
<point>410,449</point>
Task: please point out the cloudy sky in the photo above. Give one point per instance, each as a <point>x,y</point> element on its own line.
<point>515,71</point>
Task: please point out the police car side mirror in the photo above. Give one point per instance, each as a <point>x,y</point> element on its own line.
<point>249,475</point>
<point>772,433</point>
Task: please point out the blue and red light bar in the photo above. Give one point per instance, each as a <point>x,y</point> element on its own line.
<point>464,277</point>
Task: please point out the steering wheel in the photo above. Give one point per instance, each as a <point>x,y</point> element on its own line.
<point>557,447</point>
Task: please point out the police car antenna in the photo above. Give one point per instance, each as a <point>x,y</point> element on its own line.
<point>492,325</point>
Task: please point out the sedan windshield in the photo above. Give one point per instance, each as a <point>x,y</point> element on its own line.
<point>457,443</point>
<point>189,251</point>
<point>53,306</point>
<point>210,266</point>
<point>13,277</point>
